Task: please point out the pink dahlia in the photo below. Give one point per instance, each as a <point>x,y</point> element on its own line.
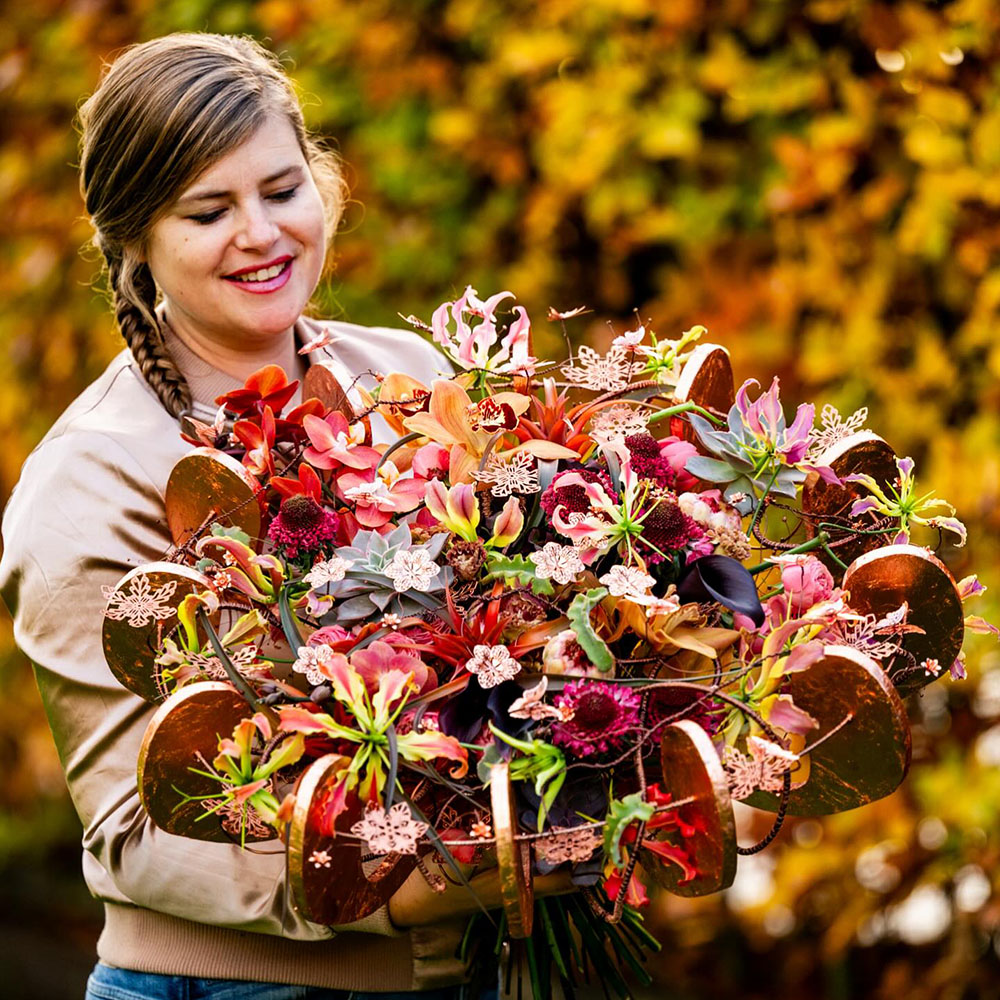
<point>602,714</point>
<point>302,526</point>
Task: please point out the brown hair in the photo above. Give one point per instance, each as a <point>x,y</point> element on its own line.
<point>165,111</point>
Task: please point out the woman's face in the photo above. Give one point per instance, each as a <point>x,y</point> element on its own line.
<point>239,253</point>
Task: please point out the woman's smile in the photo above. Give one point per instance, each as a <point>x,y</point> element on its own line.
<point>263,280</point>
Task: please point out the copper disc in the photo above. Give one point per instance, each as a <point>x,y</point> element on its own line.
<point>691,767</point>
<point>880,581</point>
<point>206,486</point>
<point>188,723</point>
<point>326,873</point>
<point>868,757</point>
<point>863,452</point>
<point>706,379</point>
<point>513,856</point>
<point>148,597</point>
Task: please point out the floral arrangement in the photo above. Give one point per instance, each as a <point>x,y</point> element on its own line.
<point>546,617</point>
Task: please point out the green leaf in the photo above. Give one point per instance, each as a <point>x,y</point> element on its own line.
<point>517,570</point>
<point>579,616</point>
<point>621,813</point>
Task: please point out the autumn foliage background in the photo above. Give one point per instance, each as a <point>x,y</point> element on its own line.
<point>816,182</point>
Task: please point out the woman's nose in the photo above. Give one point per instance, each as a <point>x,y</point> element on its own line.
<point>257,230</point>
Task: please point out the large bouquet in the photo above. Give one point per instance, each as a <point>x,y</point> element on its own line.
<point>564,618</point>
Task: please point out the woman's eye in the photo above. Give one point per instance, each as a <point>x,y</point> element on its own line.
<point>284,195</point>
<point>207,217</point>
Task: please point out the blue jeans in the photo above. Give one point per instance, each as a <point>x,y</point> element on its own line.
<point>109,983</point>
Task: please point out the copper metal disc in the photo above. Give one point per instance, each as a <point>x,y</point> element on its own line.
<point>326,873</point>
<point>146,599</point>
<point>321,382</point>
<point>868,757</point>
<point>206,486</point>
<point>864,452</point>
<point>706,379</point>
<point>880,581</point>
<point>189,723</point>
<point>513,856</point>
<point>691,767</point>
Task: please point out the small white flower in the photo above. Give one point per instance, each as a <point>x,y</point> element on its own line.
<point>531,706</point>
<point>371,495</point>
<point>628,582</point>
<point>330,571</point>
<point>561,563</point>
<point>518,474</point>
<point>392,831</point>
<point>607,373</point>
<point>492,665</point>
<point>310,659</point>
<point>630,339</point>
<point>412,569</point>
<point>320,859</point>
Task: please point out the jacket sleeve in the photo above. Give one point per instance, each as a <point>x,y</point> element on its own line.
<point>84,513</point>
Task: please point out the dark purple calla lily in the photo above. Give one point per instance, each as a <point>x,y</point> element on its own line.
<point>722,579</point>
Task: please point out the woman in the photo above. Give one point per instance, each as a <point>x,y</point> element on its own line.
<point>213,209</point>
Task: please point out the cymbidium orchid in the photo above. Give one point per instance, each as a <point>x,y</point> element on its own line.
<point>258,440</point>
<point>471,347</point>
<point>758,453</point>
<point>900,500</point>
<point>371,731</point>
<point>454,420</point>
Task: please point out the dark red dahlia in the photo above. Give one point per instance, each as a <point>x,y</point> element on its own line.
<point>668,529</point>
<point>602,715</point>
<point>574,498</point>
<point>302,526</point>
<point>647,462</point>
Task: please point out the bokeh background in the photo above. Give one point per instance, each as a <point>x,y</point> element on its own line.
<point>816,182</point>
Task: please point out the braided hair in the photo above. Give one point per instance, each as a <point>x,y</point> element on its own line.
<point>163,113</point>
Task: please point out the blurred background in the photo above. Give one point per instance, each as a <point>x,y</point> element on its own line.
<point>816,182</point>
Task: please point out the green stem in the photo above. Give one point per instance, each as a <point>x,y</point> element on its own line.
<point>814,543</point>
<point>689,407</point>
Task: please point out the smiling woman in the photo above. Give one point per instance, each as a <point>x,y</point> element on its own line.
<point>214,210</point>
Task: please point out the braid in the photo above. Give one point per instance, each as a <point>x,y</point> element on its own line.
<point>135,299</point>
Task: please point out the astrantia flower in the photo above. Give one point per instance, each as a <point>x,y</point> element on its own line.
<point>647,462</point>
<point>302,526</point>
<point>561,563</point>
<point>602,715</point>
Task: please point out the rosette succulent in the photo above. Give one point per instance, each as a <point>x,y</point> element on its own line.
<point>386,574</point>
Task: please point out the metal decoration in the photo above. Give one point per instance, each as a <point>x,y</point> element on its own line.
<point>183,734</point>
<point>513,856</point>
<point>707,380</point>
<point>329,879</point>
<point>141,611</point>
<point>880,581</point>
<point>863,452</point>
<point>691,768</point>
<point>867,755</point>
<point>207,485</point>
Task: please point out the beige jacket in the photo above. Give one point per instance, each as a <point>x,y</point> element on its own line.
<point>88,508</point>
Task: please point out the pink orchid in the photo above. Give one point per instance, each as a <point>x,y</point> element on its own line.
<point>335,443</point>
<point>377,494</point>
<point>765,419</point>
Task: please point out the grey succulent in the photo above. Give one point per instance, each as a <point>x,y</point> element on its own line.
<point>368,592</point>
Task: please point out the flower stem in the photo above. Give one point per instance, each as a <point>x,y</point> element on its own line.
<point>814,543</point>
<point>688,407</point>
